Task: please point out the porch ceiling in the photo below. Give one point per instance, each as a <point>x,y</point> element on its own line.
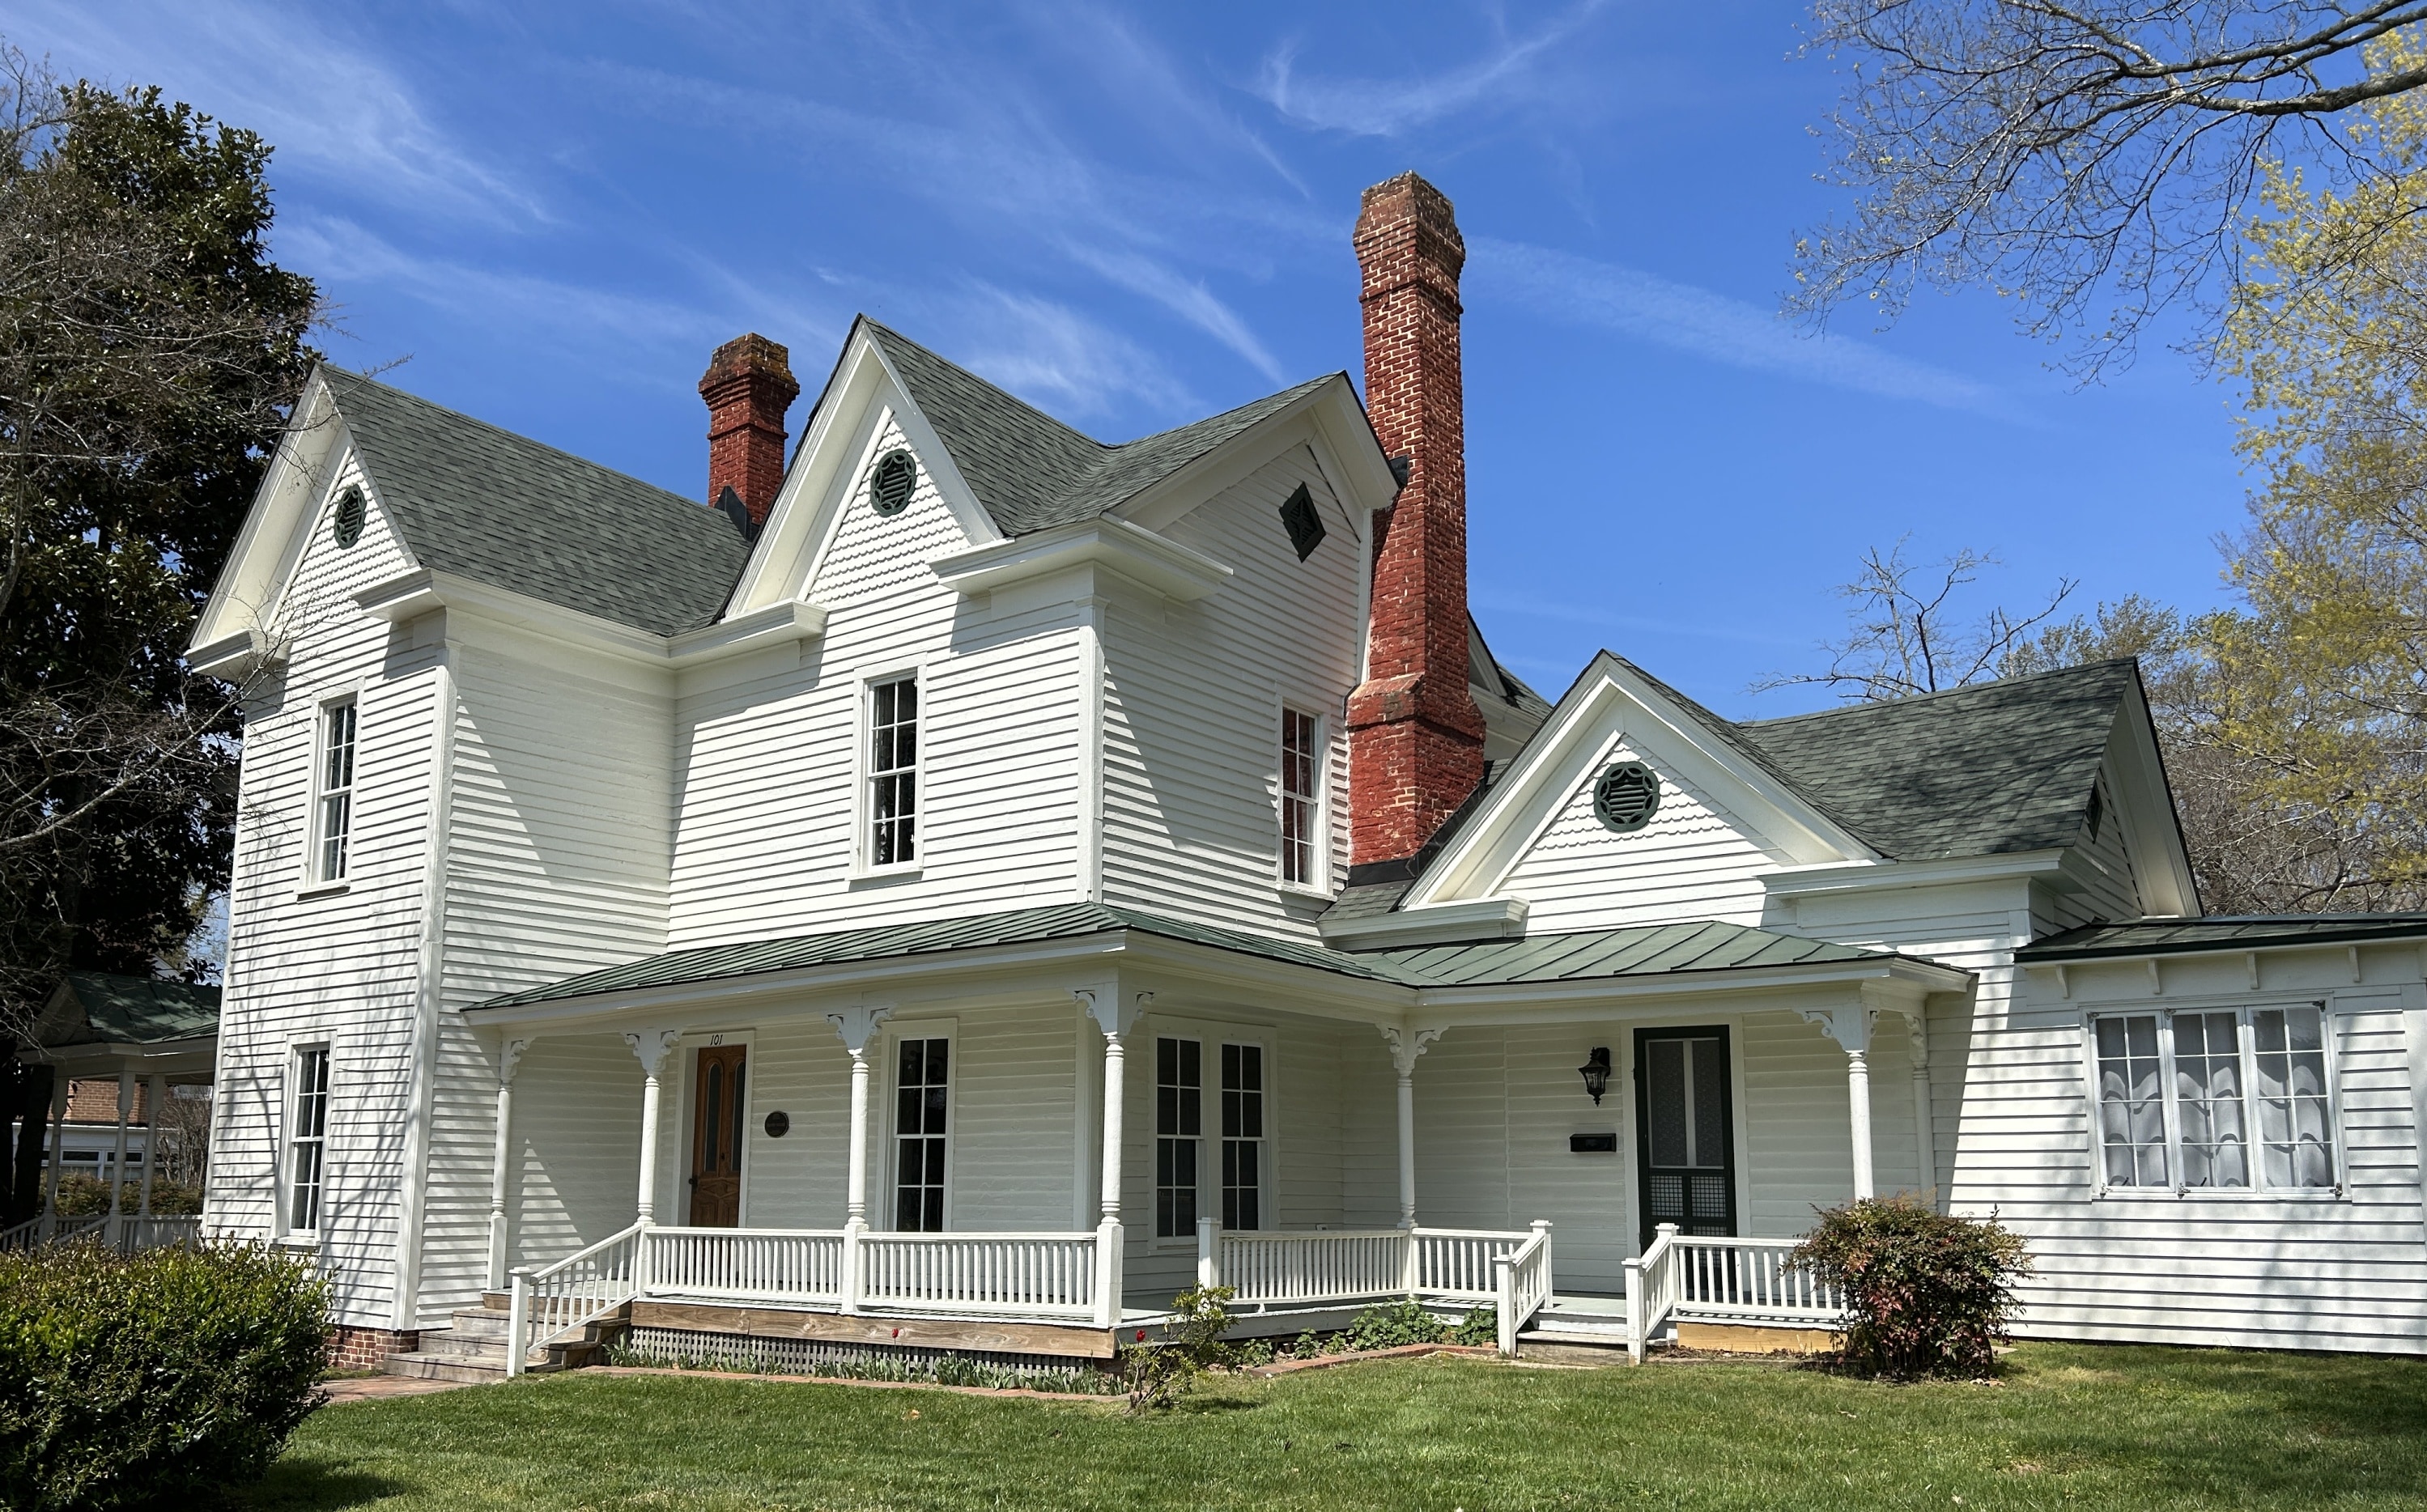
<point>1678,954</point>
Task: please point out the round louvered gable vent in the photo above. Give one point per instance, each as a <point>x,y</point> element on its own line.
<point>891,482</point>
<point>347,526</point>
<point>1626,796</point>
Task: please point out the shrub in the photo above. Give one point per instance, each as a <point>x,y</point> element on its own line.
<point>87,1196</point>
<point>1390,1324</point>
<point>1156,1374</point>
<point>1926,1293</point>
<point>1481,1326</point>
<point>174,1373</point>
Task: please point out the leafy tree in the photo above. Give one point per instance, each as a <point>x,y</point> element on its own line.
<point>150,350</point>
<point>2094,160</point>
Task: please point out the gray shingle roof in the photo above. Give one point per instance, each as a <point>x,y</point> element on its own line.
<point>486,504</point>
<point>1030,471</point>
<point>1980,771</point>
<point>1647,950</point>
<point>2177,937</point>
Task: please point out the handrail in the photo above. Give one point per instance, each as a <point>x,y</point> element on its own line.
<point>1522,1285</point>
<point>1016,1274</point>
<point>787,1265</point>
<point>550,1301</point>
<point>1651,1292</point>
<point>1716,1276</point>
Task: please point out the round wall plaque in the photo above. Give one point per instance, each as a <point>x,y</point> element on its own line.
<point>1626,796</point>
<point>780,1123</point>
<point>890,483</point>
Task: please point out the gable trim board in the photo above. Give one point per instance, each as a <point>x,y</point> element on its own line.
<point>415,594</point>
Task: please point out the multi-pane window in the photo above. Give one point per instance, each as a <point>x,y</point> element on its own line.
<point>2183,1097</point>
<point>335,819</point>
<point>1178,1093</point>
<point>893,772</point>
<point>307,1140</point>
<point>1299,809</point>
<point>1243,1136</point>
<point>919,1134</point>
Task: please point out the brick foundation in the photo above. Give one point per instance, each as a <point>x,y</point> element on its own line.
<point>364,1349</point>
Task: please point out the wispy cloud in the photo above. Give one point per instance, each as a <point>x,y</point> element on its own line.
<point>1059,360</point>
<point>1709,325</point>
<point>333,109</point>
<point>1386,107</point>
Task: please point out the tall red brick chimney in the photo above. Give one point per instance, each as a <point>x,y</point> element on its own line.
<point>1415,738</point>
<point>748,386</point>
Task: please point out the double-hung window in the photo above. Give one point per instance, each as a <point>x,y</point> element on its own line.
<point>2214,1100</point>
<point>1178,1121</point>
<point>333,818</point>
<point>893,772</point>
<point>307,1139</point>
<point>1243,1136</point>
<point>920,1134</point>
<point>1301,805</point>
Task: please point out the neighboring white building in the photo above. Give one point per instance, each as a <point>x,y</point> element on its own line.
<point>973,881</point>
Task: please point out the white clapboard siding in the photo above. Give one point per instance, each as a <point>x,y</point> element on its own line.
<point>340,968</point>
<point>1694,860</point>
<point>1192,726</point>
<point>766,768</point>
<point>797,1067</point>
<point>575,1151</point>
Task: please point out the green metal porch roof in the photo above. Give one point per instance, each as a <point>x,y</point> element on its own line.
<point>2178,937</point>
<point>98,1008</point>
<point>1641,951</point>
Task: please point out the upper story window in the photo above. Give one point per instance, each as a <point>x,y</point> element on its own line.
<point>893,772</point>
<point>334,807</point>
<point>2216,1100</point>
<point>1301,801</point>
<point>307,1139</point>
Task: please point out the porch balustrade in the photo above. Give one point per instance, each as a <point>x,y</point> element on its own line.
<point>1696,1278</point>
<point>132,1233</point>
<point>747,1264</point>
<point>1027,1276</point>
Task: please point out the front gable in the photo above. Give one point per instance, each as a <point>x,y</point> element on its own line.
<point>1723,818</point>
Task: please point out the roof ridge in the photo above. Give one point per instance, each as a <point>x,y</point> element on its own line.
<point>2078,669</point>
<point>976,377</point>
<point>517,437</point>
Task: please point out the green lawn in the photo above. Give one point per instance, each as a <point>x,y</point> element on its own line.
<point>2068,1425</point>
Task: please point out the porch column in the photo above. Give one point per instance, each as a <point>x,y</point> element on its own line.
<point>655,1046</point>
<point>857,1025</point>
<point>155,1096</point>
<point>1924,1138</point>
<point>117,1158</point>
<point>510,1057</point>
<point>1407,1045</point>
<point>61,1088</point>
<point>1114,1018</point>
<point>1849,1025</point>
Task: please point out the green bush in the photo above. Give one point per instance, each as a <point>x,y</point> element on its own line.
<point>1389,1325</point>
<point>1481,1326</point>
<point>1926,1293</point>
<point>86,1196</point>
<point>174,1373</point>
<point>1155,1375</point>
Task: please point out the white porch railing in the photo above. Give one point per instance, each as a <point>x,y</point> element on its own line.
<point>1264,1269</point>
<point>1026,1276</point>
<point>56,1229</point>
<point>1704,1276</point>
<point>781,1265</point>
<point>1523,1285</point>
<point>554,1300</point>
<point>158,1231</point>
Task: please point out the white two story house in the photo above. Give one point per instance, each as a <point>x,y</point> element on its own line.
<point>968,883</point>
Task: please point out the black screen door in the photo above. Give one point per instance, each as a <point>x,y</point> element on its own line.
<point>1685,1132</point>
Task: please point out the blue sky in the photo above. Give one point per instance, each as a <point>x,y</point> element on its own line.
<point>1134,217</point>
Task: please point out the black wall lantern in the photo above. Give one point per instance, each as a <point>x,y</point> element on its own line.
<point>1596,1072</point>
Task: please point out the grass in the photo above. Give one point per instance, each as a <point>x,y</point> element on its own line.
<point>2067,1425</point>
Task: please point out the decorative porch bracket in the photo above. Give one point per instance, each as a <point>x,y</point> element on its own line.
<point>1851,1024</point>
<point>1406,1047</point>
<point>655,1046</point>
<point>1115,1015</point>
<point>510,1059</point>
<point>857,1025</point>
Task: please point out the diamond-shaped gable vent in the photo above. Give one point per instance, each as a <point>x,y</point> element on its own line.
<point>1305,526</point>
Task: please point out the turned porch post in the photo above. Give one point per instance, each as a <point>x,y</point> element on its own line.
<point>118,1157</point>
<point>509,1056</point>
<point>1849,1025</point>
<point>1407,1045</point>
<point>855,1027</point>
<point>655,1046</point>
<point>1114,1018</point>
<point>156,1095</point>
<point>1925,1137</point>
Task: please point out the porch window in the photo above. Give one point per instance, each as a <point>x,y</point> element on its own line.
<point>919,1131</point>
<point>1300,808</point>
<point>334,818</point>
<point>1243,1136</point>
<point>893,772</point>
<point>1178,1091</point>
<point>307,1139</point>
<point>2184,1097</point>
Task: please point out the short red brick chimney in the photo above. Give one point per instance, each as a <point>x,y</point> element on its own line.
<point>748,386</point>
<point>1415,738</point>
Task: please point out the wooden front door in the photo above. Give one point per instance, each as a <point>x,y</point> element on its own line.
<point>717,1109</point>
<point>1685,1132</point>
